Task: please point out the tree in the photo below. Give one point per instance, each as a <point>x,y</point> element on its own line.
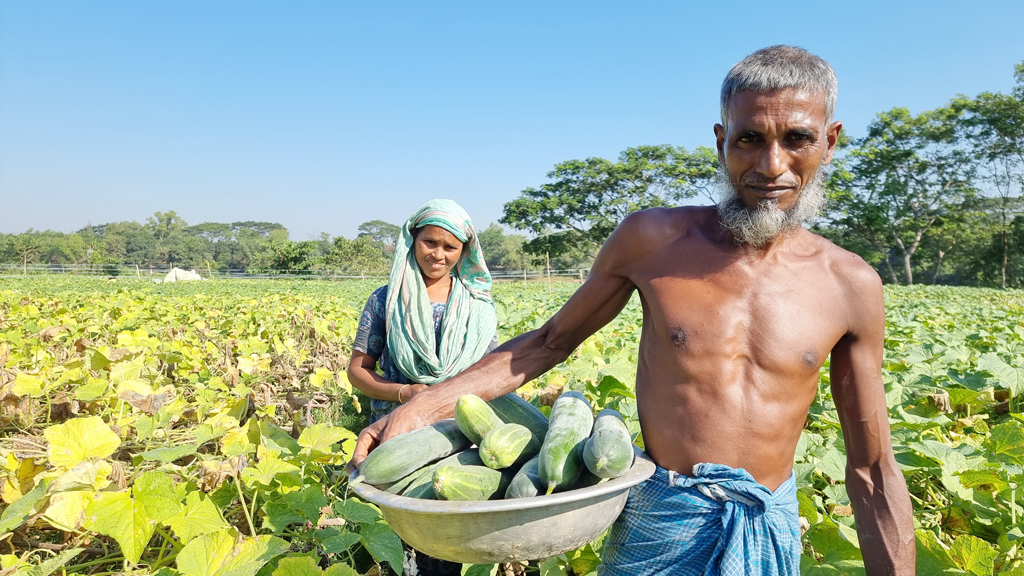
<point>993,124</point>
<point>285,255</point>
<point>360,256</point>
<point>589,198</point>
<point>501,250</point>
<point>906,175</point>
<point>166,224</point>
<point>384,236</point>
<point>27,247</point>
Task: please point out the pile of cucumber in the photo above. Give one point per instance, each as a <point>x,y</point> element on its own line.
<point>505,448</point>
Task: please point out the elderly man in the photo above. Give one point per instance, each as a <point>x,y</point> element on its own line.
<point>741,306</point>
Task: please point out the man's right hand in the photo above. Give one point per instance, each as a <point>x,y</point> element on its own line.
<point>410,416</point>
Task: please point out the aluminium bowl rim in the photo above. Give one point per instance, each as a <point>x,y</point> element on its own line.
<point>642,469</point>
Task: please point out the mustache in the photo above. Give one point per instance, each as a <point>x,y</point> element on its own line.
<point>757,181</point>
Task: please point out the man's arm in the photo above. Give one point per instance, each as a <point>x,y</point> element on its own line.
<point>597,302</point>
<point>877,489</point>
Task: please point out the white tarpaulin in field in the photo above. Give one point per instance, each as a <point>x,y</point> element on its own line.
<point>177,275</point>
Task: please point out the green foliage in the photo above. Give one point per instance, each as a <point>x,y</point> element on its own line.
<point>236,480</point>
<point>588,198</point>
<point>908,178</point>
<point>383,235</point>
<point>504,250</point>
<point>362,256</point>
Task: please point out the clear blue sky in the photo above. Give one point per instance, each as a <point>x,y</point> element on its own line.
<point>323,115</point>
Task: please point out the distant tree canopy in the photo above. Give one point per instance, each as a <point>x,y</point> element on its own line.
<point>165,240</point>
<point>574,214</point>
<point>382,234</point>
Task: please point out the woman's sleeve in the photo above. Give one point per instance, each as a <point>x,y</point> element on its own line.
<point>371,334</point>
<point>494,344</point>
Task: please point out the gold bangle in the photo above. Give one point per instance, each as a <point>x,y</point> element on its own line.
<point>400,393</point>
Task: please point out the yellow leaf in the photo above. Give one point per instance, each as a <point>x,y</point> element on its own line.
<point>67,510</point>
<point>236,441</point>
<point>87,475</point>
<point>27,385</point>
<point>11,491</point>
<point>10,462</point>
<point>20,478</point>
<point>80,439</point>
<point>320,377</point>
<point>253,363</point>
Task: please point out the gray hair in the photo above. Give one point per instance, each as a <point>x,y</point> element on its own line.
<point>779,67</point>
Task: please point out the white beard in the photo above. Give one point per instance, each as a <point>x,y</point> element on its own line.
<point>763,224</point>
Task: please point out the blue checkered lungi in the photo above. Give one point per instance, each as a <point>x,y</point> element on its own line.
<point>718,522</point>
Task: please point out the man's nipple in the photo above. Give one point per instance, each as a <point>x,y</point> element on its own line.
<point>677,334</point>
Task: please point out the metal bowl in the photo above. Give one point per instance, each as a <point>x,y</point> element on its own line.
<point>495,531</point>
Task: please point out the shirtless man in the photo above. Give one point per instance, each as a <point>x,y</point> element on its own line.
<point>741,307</point>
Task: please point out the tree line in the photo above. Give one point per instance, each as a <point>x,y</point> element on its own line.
<point>166,239</point>
<point>936,197</point>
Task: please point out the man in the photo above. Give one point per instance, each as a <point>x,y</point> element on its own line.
<point>741,306</point>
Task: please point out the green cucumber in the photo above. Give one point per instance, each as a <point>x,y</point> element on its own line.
<point>508,445</point>
<point>587,479</point>
<point>464,483</point>
<point>475,417</point>
<point>400,486</point>
<point>512,408</point>
<point>608,452</point>
<point>403,454</point>
<point>423,485</point>
<point>568,429</point>
<point>526,483</point>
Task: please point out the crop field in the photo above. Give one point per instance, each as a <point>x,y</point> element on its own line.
<point>203,428</point>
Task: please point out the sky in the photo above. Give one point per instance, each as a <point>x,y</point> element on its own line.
<point>323,115</point>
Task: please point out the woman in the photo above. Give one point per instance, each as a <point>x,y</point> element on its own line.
<point>434,319</point>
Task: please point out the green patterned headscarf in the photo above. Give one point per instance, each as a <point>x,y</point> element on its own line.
<point>469,319</point>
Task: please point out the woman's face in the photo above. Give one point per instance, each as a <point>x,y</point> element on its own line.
<point>437,251</point>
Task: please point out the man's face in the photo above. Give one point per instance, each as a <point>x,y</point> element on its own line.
<point>774,144</point>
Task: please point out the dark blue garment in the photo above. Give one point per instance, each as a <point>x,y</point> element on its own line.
<point>718,522</point>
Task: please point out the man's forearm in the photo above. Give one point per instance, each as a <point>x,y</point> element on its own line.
<point>508,367</point>
<point>885,522</point>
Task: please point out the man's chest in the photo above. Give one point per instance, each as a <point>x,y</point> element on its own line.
<point>778,322</point>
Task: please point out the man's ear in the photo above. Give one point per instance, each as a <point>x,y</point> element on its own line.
<point>720,139</point>
<point>832,135</point>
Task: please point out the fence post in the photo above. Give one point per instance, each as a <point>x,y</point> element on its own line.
<point>547,256</point>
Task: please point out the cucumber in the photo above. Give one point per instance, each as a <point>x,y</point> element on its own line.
<point>568,429</point>
<point>475,417</point>
<point>470,482</point>
<point>400,486</point>
<point>526,483</point>
<point>400,456</point>
<point>587,479</point>
<point>508,445</point>
<point>511,408</point>
<point>608,452</point>
<point>423,485</point>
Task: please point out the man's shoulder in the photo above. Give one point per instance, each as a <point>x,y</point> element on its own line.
<point>848,269</point>
<point>657,225</point>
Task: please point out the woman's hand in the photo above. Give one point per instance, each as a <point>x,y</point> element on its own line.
<point>410,390</point>
<point>362,374</point>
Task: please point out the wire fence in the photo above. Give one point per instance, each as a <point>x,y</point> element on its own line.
<point>158,273</point>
